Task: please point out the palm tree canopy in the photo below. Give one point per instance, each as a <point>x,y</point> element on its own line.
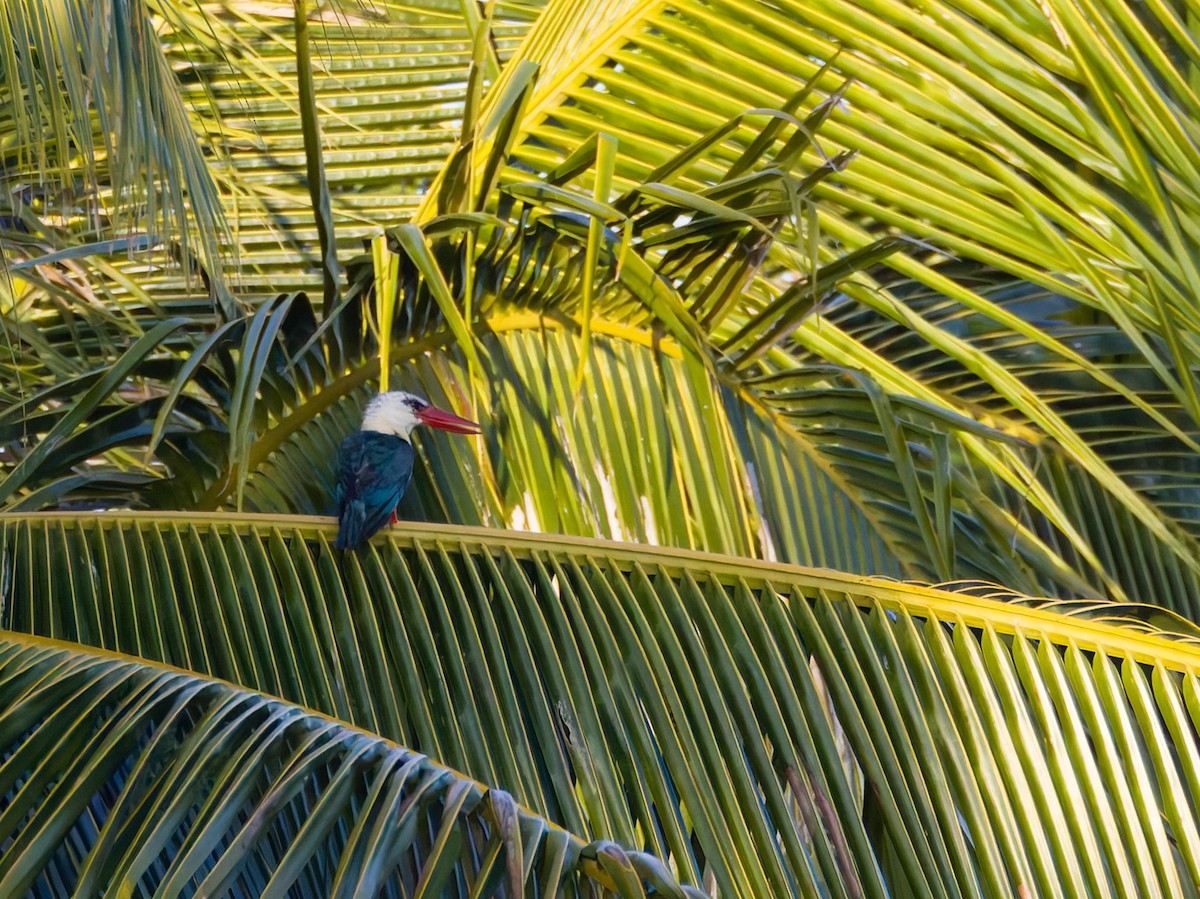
<point>896,293</point>
<point>999,367</point>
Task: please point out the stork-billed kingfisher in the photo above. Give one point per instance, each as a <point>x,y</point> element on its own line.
<point>375,464</point>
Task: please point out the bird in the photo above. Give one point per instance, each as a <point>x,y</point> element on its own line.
<point>375,463</point>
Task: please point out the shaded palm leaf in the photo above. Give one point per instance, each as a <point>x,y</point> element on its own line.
<point>683,704</point>
<point>1154,460</point>
<point>121,777</point>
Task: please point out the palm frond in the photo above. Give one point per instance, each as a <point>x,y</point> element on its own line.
<point>1012,154</point>
<point>103,140</point>
<point>390,86</point>
<point>124,777</point>
<point>224,140</point>
<point>764,729</point>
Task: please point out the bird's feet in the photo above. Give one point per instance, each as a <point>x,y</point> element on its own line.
<point>394,518</point>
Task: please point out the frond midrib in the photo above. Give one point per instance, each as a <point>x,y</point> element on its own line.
<point>919,600</point>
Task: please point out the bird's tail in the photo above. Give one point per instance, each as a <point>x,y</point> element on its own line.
<point>351,525</point>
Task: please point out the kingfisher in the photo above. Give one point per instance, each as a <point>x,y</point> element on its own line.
<point>375,464</point>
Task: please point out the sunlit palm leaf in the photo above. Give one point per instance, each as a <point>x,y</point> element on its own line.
<point>102,139</point>
<point>622,460</point>
<point>885,486</point>
<point>121,777</point>
<point>815,482</point>
<point>981,748</point>
<point>390,85</point>
<point>664,76</point>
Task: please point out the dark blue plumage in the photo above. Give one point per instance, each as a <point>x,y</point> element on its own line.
<point>373,472</point>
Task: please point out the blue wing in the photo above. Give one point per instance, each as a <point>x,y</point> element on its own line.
<point>373,472</point>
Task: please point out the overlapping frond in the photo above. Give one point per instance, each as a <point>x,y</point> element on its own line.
<point>763,729</point>
<point>100,144</point>
<point>122,777</point>
<point>1013,141</point>
<point>222,138</point>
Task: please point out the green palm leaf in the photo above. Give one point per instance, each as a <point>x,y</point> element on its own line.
<point>390,85</point>
<point>969,490</point>
<point>1009,153</point>
<point>101,139</point>
<point>125,778</point>
<point>644,248</point>
<point>765,729</point>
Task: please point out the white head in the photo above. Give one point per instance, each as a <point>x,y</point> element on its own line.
<point>394,412</point>
<point>397,412</point>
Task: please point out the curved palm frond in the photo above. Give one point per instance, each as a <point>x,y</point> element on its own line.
<point>122,777</point>
<point>969,493</point>
<point>102,142</point>
<point>391,84</point>
<point>765,729</point>
<point>1012,153</point>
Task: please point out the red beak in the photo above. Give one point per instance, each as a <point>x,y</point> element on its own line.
<point>447,421</point>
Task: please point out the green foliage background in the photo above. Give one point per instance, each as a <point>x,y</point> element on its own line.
<point>893,290</point>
